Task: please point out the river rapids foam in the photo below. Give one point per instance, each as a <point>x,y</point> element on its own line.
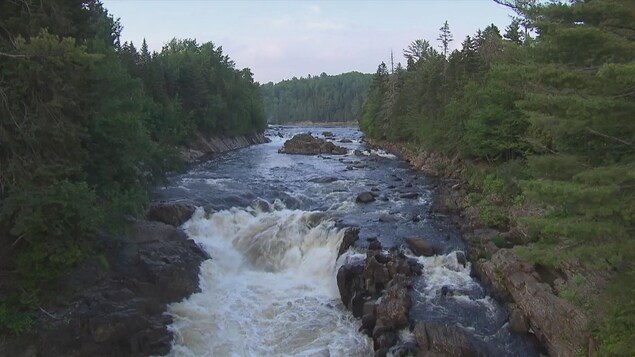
<point>269,289</point>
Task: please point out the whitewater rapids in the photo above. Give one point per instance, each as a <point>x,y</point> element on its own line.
<point>269,290</point>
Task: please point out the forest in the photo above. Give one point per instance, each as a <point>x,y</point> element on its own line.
<point>320,98</point>
<point>541,115</point>
<point>87,124</point>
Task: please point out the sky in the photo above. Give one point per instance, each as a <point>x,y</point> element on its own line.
<point>283,39</point>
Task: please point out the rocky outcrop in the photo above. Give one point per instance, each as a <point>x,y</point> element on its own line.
<point>174,213</point>
<point>202,147</point>
<point>555,322</point>
<point>421,247</point>
<point>531,294</point>
<point>115,304</point>
<point>445,339</point>
<point>306,144</point>
<point>378,290</point>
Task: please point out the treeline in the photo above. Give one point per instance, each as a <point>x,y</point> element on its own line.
<point>321,98</point>
<point>546,127</point>
<point>87,124</point>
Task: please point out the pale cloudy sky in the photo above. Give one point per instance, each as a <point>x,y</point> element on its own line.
<point>282,39</point>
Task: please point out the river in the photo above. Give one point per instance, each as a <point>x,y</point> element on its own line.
<point>272,224</point>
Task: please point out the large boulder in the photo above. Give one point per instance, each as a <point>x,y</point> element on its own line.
<point>557,323</point>
<point>174,213</point>
<point>421,247</point>
<point>306,144</point>
<point>365,197</point>
<point>445,338</point>
<point>394,306</point>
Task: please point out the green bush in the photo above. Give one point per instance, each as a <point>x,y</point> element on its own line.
<point>54,224</point>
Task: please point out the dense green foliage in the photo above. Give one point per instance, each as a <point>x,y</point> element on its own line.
<point>321,98</point>
<point>87,124</point>
<point>548,124</point>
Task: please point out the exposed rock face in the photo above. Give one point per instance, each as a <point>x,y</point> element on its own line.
<point>306,144</point>
<point>118,310</point>
<point>554,320</point>
<point>420,246</point>
<point>445,339</point>
<point>377,289</point>
<point>174,213</point>
<point>561,327</point>
<point>202,147</point>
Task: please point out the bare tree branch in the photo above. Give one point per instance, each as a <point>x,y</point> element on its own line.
<point>611,137</point>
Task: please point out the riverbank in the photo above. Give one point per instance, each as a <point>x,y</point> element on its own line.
<point>350,124</point>
<point>202,148</point>
<point>530,291</point>
<point>115,303</point>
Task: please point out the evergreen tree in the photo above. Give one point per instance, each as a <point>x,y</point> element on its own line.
<point>445,37</point>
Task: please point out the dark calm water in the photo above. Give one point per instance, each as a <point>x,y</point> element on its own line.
<point>272,224</point>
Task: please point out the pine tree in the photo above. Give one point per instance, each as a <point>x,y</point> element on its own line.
<point>445,37</point>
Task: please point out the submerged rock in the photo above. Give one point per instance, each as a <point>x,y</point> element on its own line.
<point>365,197</point>
<point>306,144</point>
<point>325,179</point>
<point>409,195</point>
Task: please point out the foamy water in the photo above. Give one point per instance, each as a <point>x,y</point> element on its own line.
<point>269,289</point>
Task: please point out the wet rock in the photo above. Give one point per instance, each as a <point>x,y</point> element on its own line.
<point>328,134</point>
<point>350,237</point>
<point>387,218</point>
<point>444,338</point>
<point>382,352</point>
<point>394,306</point>
<point>517,321</point>
<point>461,258</point>
<point>345,140</point>
<point>556,322</point>
<point>409,184</point>
<point>350,281</point>
<point>325,179</point>
<point>409,195</point>
<point>374,244</point>
<point>368,323</point>
<point>387,340</point>
<point>306,144</point>
<point>365,197</point>
<point>416,218</point>
<point>174,213</point>
<point>359,165</point>
<point>375,189</point>
<point>446,291</point>
<point>358,152</point>
<point>261,205</point>
<point>200,147</point>
<point>405,349</point>
<point>119,310</point>
<point>421,247</point>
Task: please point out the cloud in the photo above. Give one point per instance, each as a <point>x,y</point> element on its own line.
<point>314,9</point>
<point>323,25</point>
